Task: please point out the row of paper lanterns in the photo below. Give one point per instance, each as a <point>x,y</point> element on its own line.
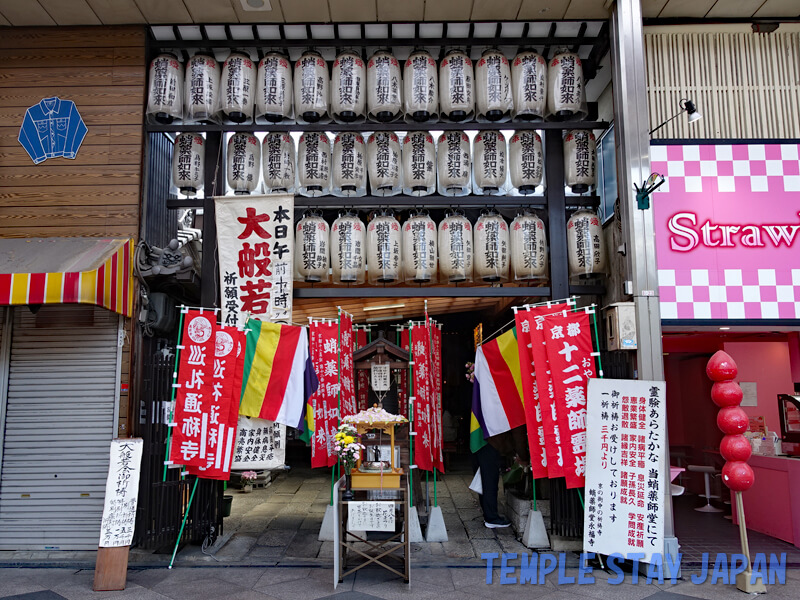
<point>271,91</point>
<point>416,166</point>
<point>419,252</point>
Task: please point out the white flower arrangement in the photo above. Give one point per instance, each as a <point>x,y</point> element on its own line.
<point>374,415</point>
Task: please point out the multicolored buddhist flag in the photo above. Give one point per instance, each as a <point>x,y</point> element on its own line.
<point>278,375</point>
<point>497,391</point>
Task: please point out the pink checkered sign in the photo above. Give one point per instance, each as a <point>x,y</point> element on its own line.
<point>727,226</point>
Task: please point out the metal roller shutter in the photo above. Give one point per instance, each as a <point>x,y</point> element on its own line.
<point>60,417</point>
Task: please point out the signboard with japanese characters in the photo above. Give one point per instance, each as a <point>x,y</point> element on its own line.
<point>381,377</point>
<point>122,493</point>
<point>260,444</point>
<point>625,460</point>
<point>254,235</point>
<point>370,516</point>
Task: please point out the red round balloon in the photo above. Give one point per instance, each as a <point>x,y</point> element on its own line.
<point>735,448</point>
<point>738,476</point>
<point>721,367</point>
<point>726,393</point>
<point>732,420</point>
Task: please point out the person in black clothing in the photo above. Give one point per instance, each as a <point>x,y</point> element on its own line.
<point>490,460</point>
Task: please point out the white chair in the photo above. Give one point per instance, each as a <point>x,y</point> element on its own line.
<point>707,473</point>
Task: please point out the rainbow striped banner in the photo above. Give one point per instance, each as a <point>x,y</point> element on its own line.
<point>105,277</point>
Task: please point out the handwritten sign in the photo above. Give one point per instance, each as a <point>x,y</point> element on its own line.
<point>122,493</point>
<point>381,377</point>
<point>625,462</point>
<point>370,516</point>
<point>260,444</point>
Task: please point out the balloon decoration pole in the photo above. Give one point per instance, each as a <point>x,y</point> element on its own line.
<point>735,449</point>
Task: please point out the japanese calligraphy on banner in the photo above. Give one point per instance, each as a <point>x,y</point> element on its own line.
<point>423,397</point>
<point>254,235</point>
<point>533,411</point>
<point>568,340</point>
<point>436,417</point>
<point>626,457</point>
<point>370,516</point>
<point>325,401</point>
<point>260,444</point>
<point>346,372</point>
<point>363,389</point>
<point>122,493</point>
<point>402,393</point>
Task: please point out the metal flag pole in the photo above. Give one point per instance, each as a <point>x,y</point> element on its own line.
<point>410,419</point>
<point>183,524</point>
<point>171,413</point>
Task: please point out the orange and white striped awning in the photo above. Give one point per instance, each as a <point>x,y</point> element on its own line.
<point>67,270</point>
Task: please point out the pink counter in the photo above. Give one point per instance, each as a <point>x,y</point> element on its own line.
<point>772,505</point>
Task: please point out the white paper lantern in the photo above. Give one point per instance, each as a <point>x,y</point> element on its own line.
<point>383,250</point>
<point>529,86</point>
<point>420,87</point>
<point>188,158</point>
<point>419,249</point>
<point>526,161</point>
<point>165,93</point>
<point>349,172</point>
<point>493,97</point>
<point>419,164</point>
<point>384,87</point>
<point>348,88</point>
<point>311,84</point>
<point>528,248</point>
<point>275,90</point>
<point>491,248</point>
<point>453,163</point>
<point>456,87</point>
<point>244,163</point>
<point>201,89</point>
<point>566,95</point>
<point>586,251</point>
<point>311,249</point>
<point>348,248</point>
<point>238,83</point>
<point>489,163</point>
<point>278,159</point>
<point>383,160</point>
<point>455,248</point>
<point>314,164</point>
<point>580,160</point>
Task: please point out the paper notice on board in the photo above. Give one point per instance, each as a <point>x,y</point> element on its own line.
<point>122,493</point>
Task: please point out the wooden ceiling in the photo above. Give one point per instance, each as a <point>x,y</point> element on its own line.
<point>118,12</point>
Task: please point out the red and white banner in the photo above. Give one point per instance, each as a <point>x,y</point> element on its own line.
<point>533,411</point>
<point>346,373</point>
<point>423,397</point>
<point>436,417</point>
<point>568,339</point>
<point>254,235</point>
<point>323,348</point>
<point>203,435</point>
<point>402,393</point>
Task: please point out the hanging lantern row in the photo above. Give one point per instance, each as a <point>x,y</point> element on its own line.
<point>417,252</point>
<point>416,167</point>
<point>272,91</point>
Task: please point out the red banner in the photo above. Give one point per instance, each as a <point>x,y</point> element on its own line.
<point>360,338</point>
<point>404,339</point>
<point>402,393</point>
<point>225,393</point>
<point>436,421</point>
<point>552,435</point>
<point>347,377</point>
<point>533,411</point>
<point>323,348</point>
<point>423,394</point>
<point>363,389</point>
<point>568,339</point>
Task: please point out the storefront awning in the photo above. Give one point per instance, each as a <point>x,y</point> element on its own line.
<point>67,270</point>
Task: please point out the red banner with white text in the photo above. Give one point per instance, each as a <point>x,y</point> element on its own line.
<point>346,374</point>
<point>423,397</point>
<point>323,348</point>
<point>436,417</point>
<point>530,391</point>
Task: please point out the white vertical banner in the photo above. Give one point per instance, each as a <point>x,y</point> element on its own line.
<point>255,236</point>
<point>626,457</point>
<point>122,493</point>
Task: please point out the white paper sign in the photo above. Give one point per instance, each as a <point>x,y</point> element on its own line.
<point>625,467</point>
<point>260,444</point>
<point>749,393</point>
<point>255,235</point>
<point>370,516</point>
<point>381,377</point>
<point>122,493</point>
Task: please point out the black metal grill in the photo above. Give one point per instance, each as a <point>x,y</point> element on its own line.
<point>566,512</point>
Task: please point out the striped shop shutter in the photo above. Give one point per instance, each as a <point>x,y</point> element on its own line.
<point>61,413</point>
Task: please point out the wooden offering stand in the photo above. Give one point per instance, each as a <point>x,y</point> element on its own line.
<point>375,479</point>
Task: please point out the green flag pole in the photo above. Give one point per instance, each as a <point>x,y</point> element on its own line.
<point>183,524</point>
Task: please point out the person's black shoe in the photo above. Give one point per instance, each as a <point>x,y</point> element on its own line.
<point>497,523</point>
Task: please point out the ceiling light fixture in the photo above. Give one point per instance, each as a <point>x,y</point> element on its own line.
<point>688,107</point>
<point>256,5</point>
<point>724,328</point>
<point>386,318</point>
<point>383,307</point>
